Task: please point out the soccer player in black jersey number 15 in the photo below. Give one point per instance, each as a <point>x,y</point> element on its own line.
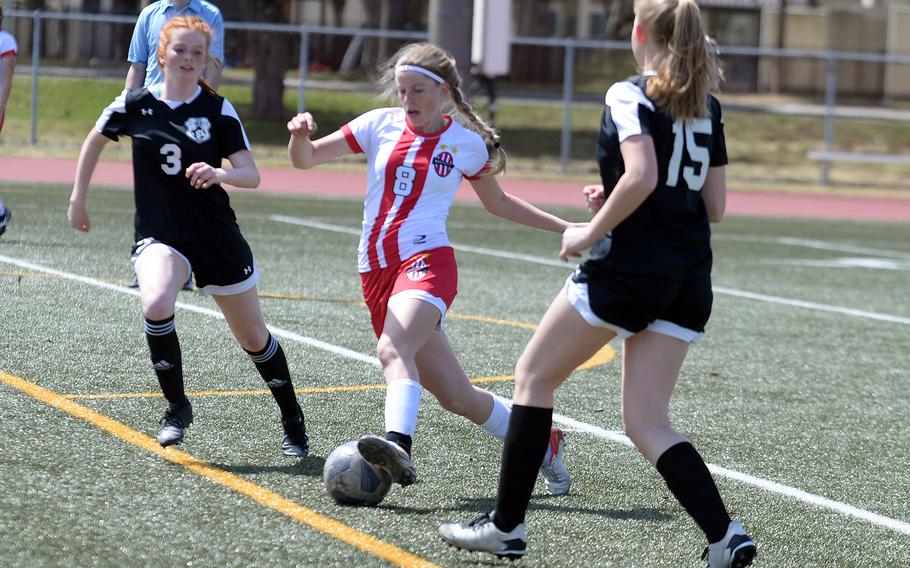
<point>181,130</point>
<point>661,154</point>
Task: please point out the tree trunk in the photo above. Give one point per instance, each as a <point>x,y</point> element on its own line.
<point>451,27</point>
<point>270,61</point>
<point>386,15</point>
<point>273,54</point>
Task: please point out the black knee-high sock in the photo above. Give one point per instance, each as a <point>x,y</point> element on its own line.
<point>164,348</point>
<point>691,483</point>
<point>273,366</point>
<point>522,454</point>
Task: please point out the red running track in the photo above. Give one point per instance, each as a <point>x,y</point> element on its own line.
<point>346,184</point>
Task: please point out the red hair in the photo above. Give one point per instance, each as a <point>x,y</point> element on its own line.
<point>192,23</point>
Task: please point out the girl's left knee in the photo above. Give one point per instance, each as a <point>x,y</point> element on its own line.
<point>253,339</point>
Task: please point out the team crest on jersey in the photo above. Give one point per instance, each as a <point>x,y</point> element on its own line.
<point>418,269</point>
<point>198,129</point>
<point>443,164</point>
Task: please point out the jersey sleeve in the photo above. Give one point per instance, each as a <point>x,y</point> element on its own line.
<point>476,160</point>
<point>113,120</point>
<point>630,109</point>
<point>231,134</point>
<point>360,133</point>
<point>719,142</point>
<point>8,46</point>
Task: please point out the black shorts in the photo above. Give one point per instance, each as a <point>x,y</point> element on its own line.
<point>629,303</point>
<point>221,268</point>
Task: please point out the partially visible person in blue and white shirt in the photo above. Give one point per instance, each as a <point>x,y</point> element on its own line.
<point>143,55</point>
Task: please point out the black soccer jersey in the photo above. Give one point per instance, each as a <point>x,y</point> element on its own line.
<point>166,141</point>
<point>668,235</point>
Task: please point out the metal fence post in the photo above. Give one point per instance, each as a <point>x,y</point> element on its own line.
<point>830,100</point>
<point>36,67</point>
<point>302,68</point>
<point>568,78</point>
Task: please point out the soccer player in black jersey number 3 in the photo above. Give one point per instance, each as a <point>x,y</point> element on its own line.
<point>181,130</point>
<point>661,154</point>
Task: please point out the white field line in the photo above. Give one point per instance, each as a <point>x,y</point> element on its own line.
<point>277,331</point>
<point>811,305</point>
<point>864,262</point>
<point>612,435</point>
<point>554,262</point>
<point>770,486</point>
<point>814,244</point>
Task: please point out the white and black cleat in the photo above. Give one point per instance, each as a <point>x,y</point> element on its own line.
<point>735,550</point>
<point>4,220</point>
<point>295,443</point>
<point>174,423</point>
<point>482,535</point>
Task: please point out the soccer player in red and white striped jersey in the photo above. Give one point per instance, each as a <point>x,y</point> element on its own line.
<point>417,158</point>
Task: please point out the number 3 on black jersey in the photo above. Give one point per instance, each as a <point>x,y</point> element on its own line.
<point>684,134</point>
<point>172,154</point>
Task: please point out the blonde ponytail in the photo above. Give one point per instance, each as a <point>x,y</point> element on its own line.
<point>687,69</point>
<point>435,59</point>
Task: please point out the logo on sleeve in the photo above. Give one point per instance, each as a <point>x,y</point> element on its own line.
<point>198,129</point>
<point>443,163</point>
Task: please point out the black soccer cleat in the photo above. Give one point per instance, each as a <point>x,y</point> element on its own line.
<point>295,443</point>
<point>174,423</point>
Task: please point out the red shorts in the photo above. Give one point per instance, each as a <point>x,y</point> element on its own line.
<point>430,275</point>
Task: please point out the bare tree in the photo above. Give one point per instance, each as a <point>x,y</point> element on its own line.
<point>451,24</point>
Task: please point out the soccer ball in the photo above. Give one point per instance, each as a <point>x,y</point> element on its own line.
<point>351,480</point>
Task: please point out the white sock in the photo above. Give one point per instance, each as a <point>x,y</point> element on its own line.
<point>402,401</point>
<point>2,208</point>
<point>498,422</point>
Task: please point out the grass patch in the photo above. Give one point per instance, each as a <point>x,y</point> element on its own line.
<point>813,399</point>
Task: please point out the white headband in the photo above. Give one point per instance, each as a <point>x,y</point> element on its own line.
<point>422,71</point>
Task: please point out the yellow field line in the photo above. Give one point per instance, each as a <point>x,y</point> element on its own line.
<point>257,493</point>
<point>485,319</point>
<point>157,394</point>
<point>308,298</point>
<point>602,357</point>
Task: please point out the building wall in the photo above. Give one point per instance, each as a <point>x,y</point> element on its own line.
<point>821,29</point>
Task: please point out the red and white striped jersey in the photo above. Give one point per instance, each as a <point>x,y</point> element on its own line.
<point>411,183</point>
<point>8,45</point>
